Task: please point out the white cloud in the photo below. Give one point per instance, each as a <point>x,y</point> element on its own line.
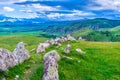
<point>32,15</point>
<point>26,11</point>
<point>71,16</point>
<point>106,5</point>
<point>10,1</point>
<point>9,9</point>
<point>45,7</point>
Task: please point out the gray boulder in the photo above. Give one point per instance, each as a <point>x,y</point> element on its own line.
<point>52,53</point>
<point>70,38</point>
<point>7,59</point>
<point>40,48</point>
<point>21,53</point>
<point>52,41</point>
<point>80,38</point>
<point>51,66</point>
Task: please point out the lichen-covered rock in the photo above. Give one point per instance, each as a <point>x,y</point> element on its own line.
<point>80,51</point>
<point>46,44</point>
<point>69,37</point>
<point>21,53</point>
<point>57,39</point>
<point>63,39</point>
<point>51,66</point>
<point>56,43</point>
<point>80,38</point>
<point>40,48</point>
<point>7,59</point>
<point>52,41</point>
<point>52,53</point>
<point>67,49</point>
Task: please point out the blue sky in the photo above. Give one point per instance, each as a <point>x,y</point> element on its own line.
<point>61,9</point>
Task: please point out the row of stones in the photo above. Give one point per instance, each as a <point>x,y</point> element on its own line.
<point>20,54</point>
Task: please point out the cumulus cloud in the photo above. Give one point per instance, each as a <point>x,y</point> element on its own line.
<point>44,7</point>
<point>26,11</point>
<point>9,9</point>
<point>32,15</point>
<point>76,14</point>
<point>105,5</point>
<point>10,1</point>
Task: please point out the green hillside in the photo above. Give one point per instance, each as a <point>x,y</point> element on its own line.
<point>101,61</point>
<point>94,24</point>
<point>82,32</point>
<point>98,29</point>
<point>115,30</point>
<point>107,34</point>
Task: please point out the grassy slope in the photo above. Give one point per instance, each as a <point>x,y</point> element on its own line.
<point>115,30</point>
<point>31,33</point>
<point>94,24</point>
<point>81,32</point>
<point>103,34</point>
<point>101,61</point>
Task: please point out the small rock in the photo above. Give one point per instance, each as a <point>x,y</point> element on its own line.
<point>67,49</point>
<point>69,37</point>
<point>16,77</point>
<point>40,48</point>
<point>80,38</point>
<point>66,57</point>
<point>80,51</point>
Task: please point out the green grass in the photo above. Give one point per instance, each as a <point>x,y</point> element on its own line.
<point>107,34</point>
<point>115,30</point>
<point>81,32</point>
<point>31,33</point>
<point>101,61</point>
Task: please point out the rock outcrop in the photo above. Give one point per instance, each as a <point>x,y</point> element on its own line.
<point>21,53</point>
<point>51,66</point>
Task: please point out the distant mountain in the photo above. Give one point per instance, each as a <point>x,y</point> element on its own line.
<point>8,24</point>
<point>94,24</point>
<point>8,21</point>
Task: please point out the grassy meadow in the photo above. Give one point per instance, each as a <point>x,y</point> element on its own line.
<point>101,61</point>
